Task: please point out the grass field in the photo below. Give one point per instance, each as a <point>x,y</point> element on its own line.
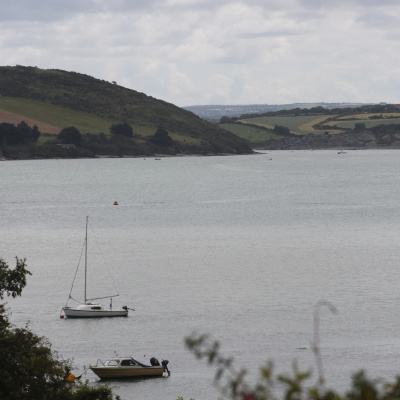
<point>343,123</point>
<point>368,115</point>
<point>57,116</point>
<point>297,124</point>
<point>250,133</point>
<point>303,124</point>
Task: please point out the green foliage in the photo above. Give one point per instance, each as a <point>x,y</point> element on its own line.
<point>319,110</point>
<point>70,135</point>
<point>116,145</point>
<point>281,130</point>
<point>161,138</point>
<point>12,281</point>
<point>12,135</point>
<point>29,369</point>
<point>359,126</point>
<point>227,120</point>
<point>123,129</point>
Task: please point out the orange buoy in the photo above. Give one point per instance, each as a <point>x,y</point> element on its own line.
<point>115,203</point>
<point>70,378</point>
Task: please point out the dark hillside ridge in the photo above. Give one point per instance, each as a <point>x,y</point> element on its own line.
<point>87,94</point>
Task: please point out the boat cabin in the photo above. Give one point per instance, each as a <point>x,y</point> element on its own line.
<point>90,306</point>
<point>122,362</point>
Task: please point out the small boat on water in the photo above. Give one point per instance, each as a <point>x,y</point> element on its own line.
<point>96,310</point>
<point>89,308</point>
<point>127,367</point>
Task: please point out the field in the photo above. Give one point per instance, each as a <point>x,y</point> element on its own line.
<point>55,117</point>
<point>254,135</point>
<point>259,129</point>
<point>349,121</point>
<point>297,124</point>
<point>15,119</point>
<point>304,124</point>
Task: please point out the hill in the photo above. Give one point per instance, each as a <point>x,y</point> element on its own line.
<point>368,126</point>
<point>214,113</point>
<point>62,99</point>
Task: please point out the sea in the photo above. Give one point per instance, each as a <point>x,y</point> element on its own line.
<point>271,255</point>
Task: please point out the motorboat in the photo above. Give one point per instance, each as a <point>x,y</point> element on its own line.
<point>127,367</point>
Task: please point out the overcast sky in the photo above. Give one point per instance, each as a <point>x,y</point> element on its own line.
<point>193,52</point>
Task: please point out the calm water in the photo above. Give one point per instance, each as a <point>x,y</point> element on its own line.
<point>240,247</point>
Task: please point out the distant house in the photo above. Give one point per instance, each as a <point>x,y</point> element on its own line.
<point>66,145</point>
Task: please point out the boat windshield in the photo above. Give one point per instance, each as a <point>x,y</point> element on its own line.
<point>112,363</point>
<point>126,363</point>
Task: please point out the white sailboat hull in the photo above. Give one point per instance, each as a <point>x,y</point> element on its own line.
<point>92,311</point>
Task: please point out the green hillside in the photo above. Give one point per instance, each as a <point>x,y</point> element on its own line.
<point>263,129</point>
<point>65,99</point>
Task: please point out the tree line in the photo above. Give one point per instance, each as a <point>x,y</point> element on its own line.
<point>319,110</point>
<point>72,135</point>
<point>13,135</point>
<point>20,141</point>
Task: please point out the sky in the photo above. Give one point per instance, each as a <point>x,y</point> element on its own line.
<point>215,52</point>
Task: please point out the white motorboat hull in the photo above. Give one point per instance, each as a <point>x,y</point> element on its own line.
<point>126,372</point>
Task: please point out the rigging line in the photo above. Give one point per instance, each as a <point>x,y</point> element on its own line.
<point>105,263</point>
<point>76,272</point>
<point>70,297</point>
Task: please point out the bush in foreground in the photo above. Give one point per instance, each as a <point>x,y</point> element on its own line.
<point>232,383</point>
<point>29,369</point>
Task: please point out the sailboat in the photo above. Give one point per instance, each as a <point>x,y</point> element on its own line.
<point>89,308</point>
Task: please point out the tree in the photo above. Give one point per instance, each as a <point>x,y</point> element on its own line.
<point>70,135</point>
<point>281,130</point>
<point>25,132</point>
<point>359,126</point>
<point>123,129</point>
<point>35,133</point>
<point>161,138</point>
<point>28,368</point>
<point>12,281</point>
<point>11,135</point>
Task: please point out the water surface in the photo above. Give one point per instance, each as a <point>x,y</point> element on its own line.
<point>241,247</point>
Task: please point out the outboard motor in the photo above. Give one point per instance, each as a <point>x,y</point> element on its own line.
<point>127,308</point>
<point>154,362</point>
<point>164,363</point>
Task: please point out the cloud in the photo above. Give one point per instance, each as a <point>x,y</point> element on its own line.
<point>215,51</point>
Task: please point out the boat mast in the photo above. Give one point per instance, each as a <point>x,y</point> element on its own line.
<point>87,218</point>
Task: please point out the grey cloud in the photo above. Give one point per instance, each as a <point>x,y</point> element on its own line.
<point>42,10</point>
<point>184,51</point>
